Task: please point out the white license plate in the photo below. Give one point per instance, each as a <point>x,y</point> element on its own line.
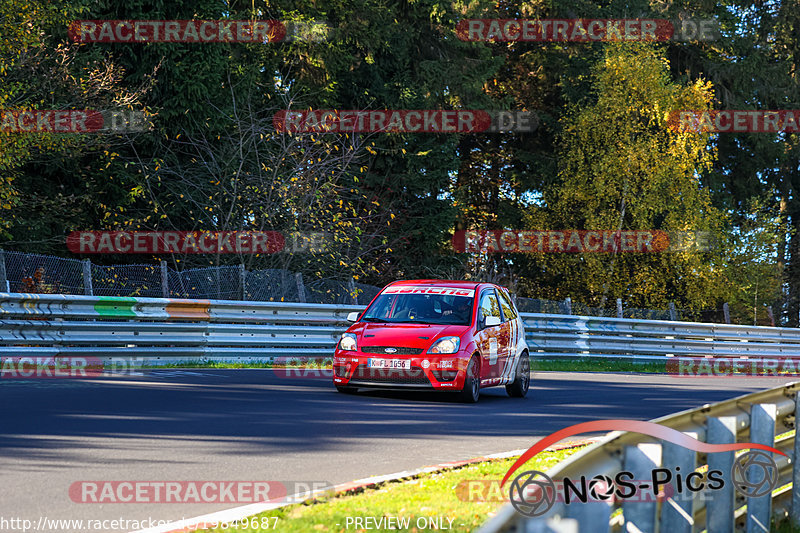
<point>404,364</point>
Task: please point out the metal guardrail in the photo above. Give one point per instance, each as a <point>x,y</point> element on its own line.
<point>570,336</point>
<point>173,329</point>
<point>166,329</point>
<point>755,417</point>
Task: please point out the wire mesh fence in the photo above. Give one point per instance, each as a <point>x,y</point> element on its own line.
<point>210,283</point>
<point>273,285</point>
<point>125,280</point>
<point>34,273</point>
<point>42,273</point>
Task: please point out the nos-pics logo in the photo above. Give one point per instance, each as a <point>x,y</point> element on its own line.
<point>534,493</point>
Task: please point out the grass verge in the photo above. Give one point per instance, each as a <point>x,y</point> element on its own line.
<point>441,498</point>
<point>588,365</point>
<point>596,365</point>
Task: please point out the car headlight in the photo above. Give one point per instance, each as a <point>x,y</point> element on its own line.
<point>446,345</point>
<point>348,342</point>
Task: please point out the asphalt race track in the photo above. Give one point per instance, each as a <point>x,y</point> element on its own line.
<point>212,425</point>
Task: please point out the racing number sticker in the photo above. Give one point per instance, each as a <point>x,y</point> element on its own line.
<point>492,351</point>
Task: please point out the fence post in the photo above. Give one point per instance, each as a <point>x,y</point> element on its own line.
<point>568,305</point>
<point>352,286</point>
<point>762,431</point>
<point>242,282</point>
<point>674,516</point>
<point>719,510</point>
<point>301,289</point>
<point>164,280</point>
<point>619,307</point>
<point>641,460</point>
<point>88,289</point>
<point>795,508</point>
<point>4,284</point>
<point>673,315</point>
<point>726,311</point>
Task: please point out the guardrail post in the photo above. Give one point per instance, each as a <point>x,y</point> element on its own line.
<point>726,311</point>
<point>640,461</point>
<point>242,282</point>
<point>3,276</point>
<point>88,289</point>
<point>301,289</point>
<point>164,280</point>
<point>762,431</point>
<point>795,514</point>
<point>352,286</point>
<point>619,307</point>
<point>719,508</point>
<point>677,508</point>
<point>568,305</point>
<point>590,516</point>
<point>673,315</point>
<point>564,525</point>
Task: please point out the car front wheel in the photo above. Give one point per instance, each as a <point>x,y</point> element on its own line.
<point>472,383</point>
<point>346,390</point>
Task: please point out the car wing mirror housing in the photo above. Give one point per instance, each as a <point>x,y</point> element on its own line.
<point>491,321</point>
<point>352,317</point>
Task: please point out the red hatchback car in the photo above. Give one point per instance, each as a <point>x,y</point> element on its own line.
<point>454,336</point>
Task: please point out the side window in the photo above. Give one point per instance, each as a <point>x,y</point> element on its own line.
<point>489,306</point>
<point>508,308</point>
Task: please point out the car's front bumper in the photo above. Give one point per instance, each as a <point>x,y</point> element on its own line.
<point>426,372</point>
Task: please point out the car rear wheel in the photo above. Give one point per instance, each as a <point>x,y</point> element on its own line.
<point>346,390</point>
<point>522,379</point>
<point>472,383</point>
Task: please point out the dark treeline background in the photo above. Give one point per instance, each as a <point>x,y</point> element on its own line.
<point>601,158</point>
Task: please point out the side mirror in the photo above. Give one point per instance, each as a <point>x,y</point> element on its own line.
<point>352,317</point>
<point>491,321</point>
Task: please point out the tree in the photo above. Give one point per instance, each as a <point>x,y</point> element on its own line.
<point>623,168</point>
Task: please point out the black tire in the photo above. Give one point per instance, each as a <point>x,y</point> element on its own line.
<point>346,390</point>
<point>522,378</point>
<point>472,384</point>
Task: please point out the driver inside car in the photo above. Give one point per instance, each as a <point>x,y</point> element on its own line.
<point>461,310</point>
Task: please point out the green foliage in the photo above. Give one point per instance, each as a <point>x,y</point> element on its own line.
<point>622,168</point>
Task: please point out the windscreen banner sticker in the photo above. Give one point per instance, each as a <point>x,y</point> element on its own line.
<point>446,291</point>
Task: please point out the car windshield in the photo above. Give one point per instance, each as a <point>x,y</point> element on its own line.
<point>421,308</point>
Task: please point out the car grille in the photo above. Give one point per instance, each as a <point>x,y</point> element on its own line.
<point>414,376</point>
<point>382,350</point>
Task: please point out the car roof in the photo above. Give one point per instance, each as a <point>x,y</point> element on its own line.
<point>443,283</point>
